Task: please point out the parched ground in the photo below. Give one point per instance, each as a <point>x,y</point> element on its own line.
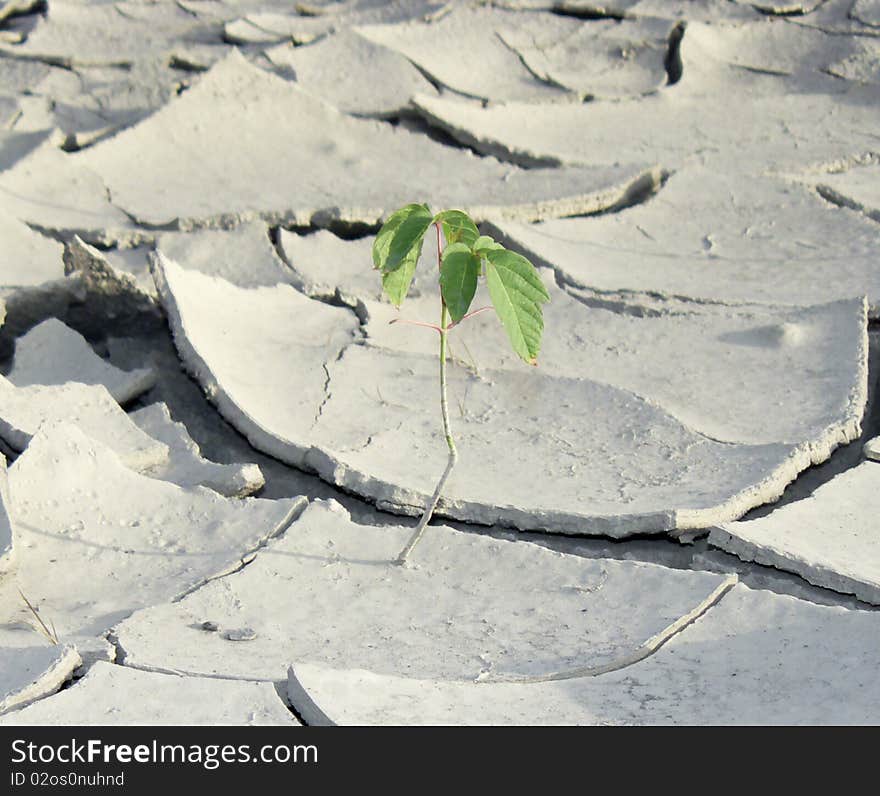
<point>214,443</point>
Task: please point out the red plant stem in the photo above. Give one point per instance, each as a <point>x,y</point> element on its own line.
<point>433,326</point>
<point>465,317</point>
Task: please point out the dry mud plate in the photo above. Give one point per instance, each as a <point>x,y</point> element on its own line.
<point>216,433</point>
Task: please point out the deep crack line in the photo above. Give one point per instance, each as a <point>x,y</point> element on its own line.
<point>483,148</point>
<point>673,63</point>
<point>305,708</point>
<point>327,394</point>
<point>589,13</point>
<point>248,557</point>
<point>644,650</point>
<point>302,705</point>
<point>838,199</point>
<point>545,79</point>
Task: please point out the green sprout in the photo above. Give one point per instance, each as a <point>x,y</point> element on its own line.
<point>464,256</point>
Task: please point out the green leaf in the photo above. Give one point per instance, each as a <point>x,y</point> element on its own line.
<point>484,243</point>
<point>396,283</point>
<point>457,227</point>
<point>458,279</point>
<point>517,293</point>
<point>399,236</point>
<point>382,241</point>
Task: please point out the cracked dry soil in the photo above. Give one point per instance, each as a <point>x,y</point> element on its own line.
<point>213,443</point>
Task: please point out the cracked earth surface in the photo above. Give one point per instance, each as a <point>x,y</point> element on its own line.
<point>213,442</point>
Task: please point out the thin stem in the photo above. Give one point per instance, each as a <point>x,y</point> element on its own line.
<point>439,248</point>
<point>465,317</point>
<point>450,442</point>
<point>447,432</point>
<point>433,326</point>
<point>449,326</point>
<point>49,634</point>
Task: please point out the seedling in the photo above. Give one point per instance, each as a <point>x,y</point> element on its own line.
<point>464,256</point>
